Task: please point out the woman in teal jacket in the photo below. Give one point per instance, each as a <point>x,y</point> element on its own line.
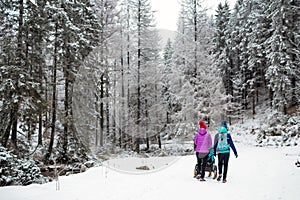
<point>222,144</point>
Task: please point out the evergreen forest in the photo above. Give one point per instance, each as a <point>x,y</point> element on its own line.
<point>85,79</point>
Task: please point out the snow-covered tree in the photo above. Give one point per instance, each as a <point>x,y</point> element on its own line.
<point>260,53</point>
<point>168,53</point>
<point>146,59</point>
<point>283,53</point>
<point>44,42</point>
<point>192,57</point>
<point>21,69</point>
<point>73,34</point>
<point>167,78</point>
<point>259,23</point>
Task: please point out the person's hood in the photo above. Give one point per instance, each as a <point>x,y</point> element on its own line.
<point>202,131</point>
<point>222,129</point>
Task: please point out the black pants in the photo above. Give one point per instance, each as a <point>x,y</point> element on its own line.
<point>202,161</point>
<point>223,159</point>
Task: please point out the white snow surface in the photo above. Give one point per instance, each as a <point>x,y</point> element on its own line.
<point>258,173</point>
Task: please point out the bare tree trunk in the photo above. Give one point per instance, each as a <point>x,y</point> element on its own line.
<point>147,125</point>
<point>5,137</point>
<point>101,110</point>
<point>159,141</point>
<point>129,139</point>
<point>253,104</point>
<point>102,77</point>
<point>15,108</point>
<point>41,6</point>
<point>67,113</point>
<point>40,131</point>
<point>139,77</point>
<point>195,39</point>
<point>53,120</point>
<point>14,130</point>
<point>122,110</point>
<point>97,119</point>
<point>114,107</point>
<point>107,105</point>
<point>271,97</point>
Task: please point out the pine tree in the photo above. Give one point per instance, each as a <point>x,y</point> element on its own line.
<point>171,84</point>
<point>20,70</point>
<point>192,57</point>
<point>168,53</point>
<point>260,24</point>
<point>166,78</point>
<point>223,58</point>
<point>282,53</point>
<point>73,34</point>
<point>145,52</point>
<point>226,54</point>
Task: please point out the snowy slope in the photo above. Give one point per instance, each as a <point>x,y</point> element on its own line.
<point>258,173</point>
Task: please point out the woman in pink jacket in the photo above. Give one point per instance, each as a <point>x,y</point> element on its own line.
<point>203,143</point>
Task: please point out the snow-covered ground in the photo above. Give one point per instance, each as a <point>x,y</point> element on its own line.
<point>258,173</point>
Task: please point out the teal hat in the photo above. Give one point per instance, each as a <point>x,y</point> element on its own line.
<point>222,130</point>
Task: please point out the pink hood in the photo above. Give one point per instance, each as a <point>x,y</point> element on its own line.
<point>202,141</point>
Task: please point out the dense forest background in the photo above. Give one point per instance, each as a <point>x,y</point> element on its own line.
<point>80,78</point>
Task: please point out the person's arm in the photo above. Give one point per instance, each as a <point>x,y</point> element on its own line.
<point>209,141</point>
<point>216,143</point>
<point>195,142</point>
<point>232,145</point>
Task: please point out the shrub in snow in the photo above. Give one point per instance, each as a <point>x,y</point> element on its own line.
<point>280,131</point>
<point>18,171</point>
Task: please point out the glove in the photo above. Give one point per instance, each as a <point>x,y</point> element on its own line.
<point>236,155</point>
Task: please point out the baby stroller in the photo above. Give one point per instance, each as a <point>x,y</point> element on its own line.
<point>210,166</point>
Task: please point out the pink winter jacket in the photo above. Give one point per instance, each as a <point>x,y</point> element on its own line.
<point>202,141</point>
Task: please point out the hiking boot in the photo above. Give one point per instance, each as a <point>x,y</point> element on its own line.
<point>219,178</point>
<point>202,179</point>
<point>224,180</point>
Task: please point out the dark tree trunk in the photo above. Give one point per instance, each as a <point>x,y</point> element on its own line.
<point>139,77</point>
<point>67,102</point>
<point>101,109</point>
<point>15,109</point>
<point>159,141</point>
<point>107,105</point>
<point>53,120</point>
<point>195,40</point>
<point>5,137</point>
<point>14,130</point>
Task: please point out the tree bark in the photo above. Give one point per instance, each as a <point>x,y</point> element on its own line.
<point>50,149</point>
<point>139,78</point>
<point>195,40</point>
<point>101,110</point>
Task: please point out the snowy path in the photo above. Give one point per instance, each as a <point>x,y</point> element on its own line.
<point>258,173</point>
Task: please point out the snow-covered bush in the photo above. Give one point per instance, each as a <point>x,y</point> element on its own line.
<point>280,131</point>
<point>18,171</point>
<point>267,128</point>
